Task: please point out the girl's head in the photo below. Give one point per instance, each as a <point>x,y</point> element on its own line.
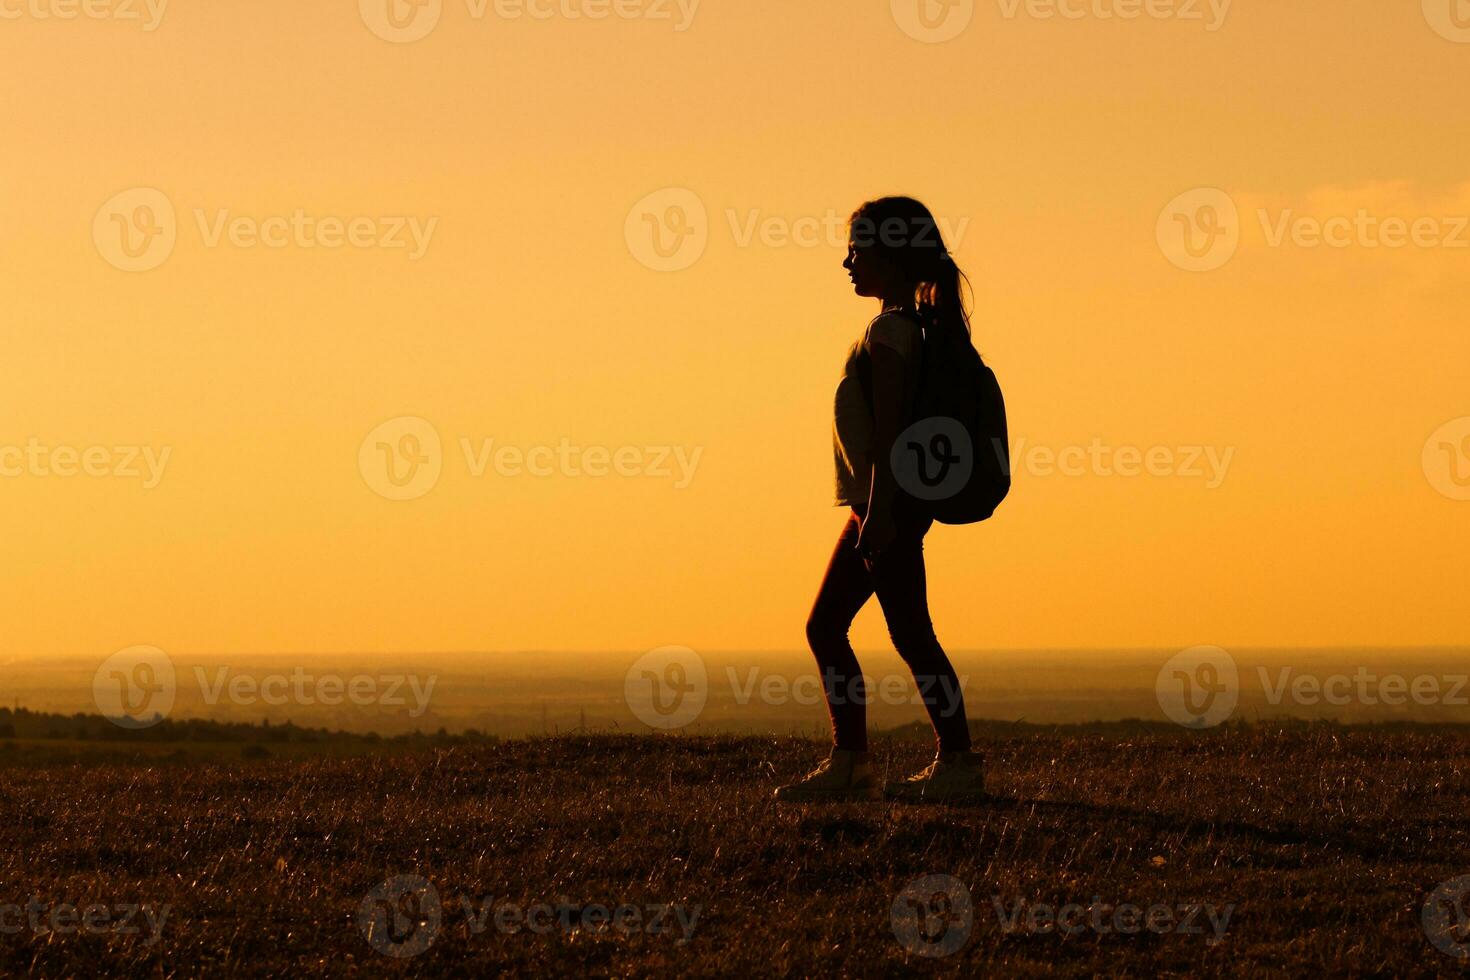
<point>896,253</point>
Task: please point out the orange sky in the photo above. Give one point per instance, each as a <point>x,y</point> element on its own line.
<point>518,147</point>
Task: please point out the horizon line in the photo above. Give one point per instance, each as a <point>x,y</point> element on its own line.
<point>710,651</point>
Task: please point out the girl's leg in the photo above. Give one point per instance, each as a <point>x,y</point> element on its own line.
<point>845,588</point>
<point>902,590</point>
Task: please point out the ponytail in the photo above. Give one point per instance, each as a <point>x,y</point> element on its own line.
<point>941,298</point>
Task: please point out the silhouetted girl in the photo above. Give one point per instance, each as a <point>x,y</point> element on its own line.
<point>896,255</point>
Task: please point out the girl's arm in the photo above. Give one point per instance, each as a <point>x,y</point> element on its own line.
<point>888,387</point>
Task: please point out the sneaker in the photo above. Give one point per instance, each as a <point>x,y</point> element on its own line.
<point>952,777</point>
<point>843,776</point>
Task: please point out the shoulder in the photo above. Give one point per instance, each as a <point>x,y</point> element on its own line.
<point>895,330</point>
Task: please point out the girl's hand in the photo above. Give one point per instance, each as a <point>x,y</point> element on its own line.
<point>877,534</point>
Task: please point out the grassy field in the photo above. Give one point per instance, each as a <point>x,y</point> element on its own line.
<point>1245,850</point>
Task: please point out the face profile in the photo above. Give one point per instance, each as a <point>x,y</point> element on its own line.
<point>867,270</point>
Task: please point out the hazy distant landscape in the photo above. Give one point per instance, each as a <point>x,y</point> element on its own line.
<point>752,693</point>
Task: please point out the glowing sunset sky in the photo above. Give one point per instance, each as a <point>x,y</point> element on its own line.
<point>448,229</point>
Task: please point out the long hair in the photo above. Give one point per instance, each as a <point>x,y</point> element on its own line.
<point>905,233</point>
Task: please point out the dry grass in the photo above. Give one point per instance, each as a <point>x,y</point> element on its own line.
<point>1324,842</point>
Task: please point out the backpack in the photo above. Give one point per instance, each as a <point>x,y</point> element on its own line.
<point>952,462</point>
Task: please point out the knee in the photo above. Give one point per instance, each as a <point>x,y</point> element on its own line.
<point>915,642</point>
<point>823,632</point>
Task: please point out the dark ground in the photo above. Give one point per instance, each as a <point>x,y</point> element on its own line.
<point>1322,846</point>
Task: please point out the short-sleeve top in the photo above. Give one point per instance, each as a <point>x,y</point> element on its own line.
<point>852,428</point>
